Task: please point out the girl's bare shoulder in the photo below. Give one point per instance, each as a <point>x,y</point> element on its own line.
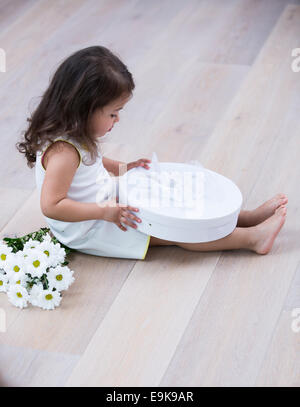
<point>62,149</point>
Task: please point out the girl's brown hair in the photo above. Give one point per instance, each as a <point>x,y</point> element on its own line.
<point>87,80</point>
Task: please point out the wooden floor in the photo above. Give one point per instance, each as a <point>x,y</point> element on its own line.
<point>213,83</point>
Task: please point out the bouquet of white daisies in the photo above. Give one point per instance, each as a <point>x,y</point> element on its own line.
<point>33,269</point>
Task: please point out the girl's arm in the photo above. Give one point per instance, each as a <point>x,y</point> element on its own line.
<point>118,168</point>
<point>62,162</point>
<point>55,204</point>
<point>112,166</point>
<point>68,210</point>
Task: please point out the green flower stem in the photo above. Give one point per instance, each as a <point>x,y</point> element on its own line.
<point>17,243</point>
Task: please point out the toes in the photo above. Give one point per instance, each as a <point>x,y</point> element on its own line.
<point>281,196</point>
<point>281,210</point>
<point>280,199</point>
<point>283,201</point>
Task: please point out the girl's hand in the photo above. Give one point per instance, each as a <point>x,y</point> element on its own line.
<point>120,213</point>
<point>142,162</point>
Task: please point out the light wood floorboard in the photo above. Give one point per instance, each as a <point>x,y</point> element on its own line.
<point>213,84</point>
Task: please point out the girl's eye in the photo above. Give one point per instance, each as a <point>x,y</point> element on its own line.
<point>113,115</point>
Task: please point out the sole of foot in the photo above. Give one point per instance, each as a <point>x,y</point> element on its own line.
<point>266,232</point>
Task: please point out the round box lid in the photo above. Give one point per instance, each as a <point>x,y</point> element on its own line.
<point>182,193</point>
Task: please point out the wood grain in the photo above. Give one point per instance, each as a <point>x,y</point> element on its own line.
<point>213,84</point>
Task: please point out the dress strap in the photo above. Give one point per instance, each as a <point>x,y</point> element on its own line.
<point>67,140</point>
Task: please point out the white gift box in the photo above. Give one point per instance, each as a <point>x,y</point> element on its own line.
<point>181,202</point>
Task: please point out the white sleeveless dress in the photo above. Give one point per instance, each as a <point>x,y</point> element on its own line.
<point>97,237</point>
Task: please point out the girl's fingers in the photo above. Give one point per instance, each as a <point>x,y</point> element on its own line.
<point>130,215</point>
<point>131,208</point>
<point>121,226</point>
<point>144,164</point>
<point>134,217</point>
<point>126,214</point>
<point>124,220</point>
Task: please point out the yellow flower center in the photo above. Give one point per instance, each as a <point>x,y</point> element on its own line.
<point>1,282</point>
<point>3,256</point>
<point>59,277</point>
<point>16,269</point>
<point>49,297</point>
<point>36,263</point>
<point>46,252</point>
<point>19,295</point>
<point>18,282</point>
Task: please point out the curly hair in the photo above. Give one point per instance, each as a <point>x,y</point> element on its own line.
<point>87,80</point>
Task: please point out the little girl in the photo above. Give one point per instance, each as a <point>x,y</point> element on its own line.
<point>79,107</point>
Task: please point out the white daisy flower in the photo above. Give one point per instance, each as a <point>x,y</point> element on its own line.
<point>49,299</point>
<point>3,283</point>
<point>15,267</point>
<point>31,244</point>
<point>9,258</point>
<point>22,280</point>
<point>60,277</point>
<point>47,238</point>
<point>4,252</point>
<point>36,262</point>
<point>18,295</point>
<point>55,253</point>
<point>35,292</point>
<point>60,253</point>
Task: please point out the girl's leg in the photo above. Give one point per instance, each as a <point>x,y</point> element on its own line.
<point>258,238</point>
<point>263,212</point>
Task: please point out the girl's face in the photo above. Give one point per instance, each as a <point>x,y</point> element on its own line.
<point>103,120</point>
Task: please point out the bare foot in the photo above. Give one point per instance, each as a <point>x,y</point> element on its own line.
<point>263,212</point>
<point>265,233</point>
